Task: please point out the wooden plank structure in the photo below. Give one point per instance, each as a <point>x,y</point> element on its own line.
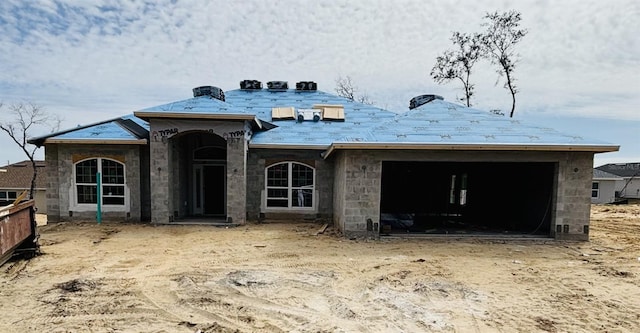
<point>17,227</point>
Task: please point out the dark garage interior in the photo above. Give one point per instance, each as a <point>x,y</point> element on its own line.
<point>474,198</point>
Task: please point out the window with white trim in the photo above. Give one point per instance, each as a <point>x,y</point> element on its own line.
<point>8,195</point>
<point>290,185</point>
<point>595,190</point>
<point>112,181</point>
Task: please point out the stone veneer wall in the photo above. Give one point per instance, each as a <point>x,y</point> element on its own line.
<point>258,160</point>
<point>573,203</point>
<point>358,175</point>
<point>52,182</point>
<point>340,175</point>
<point>237,180</point>
<point>167,165</point>
<point>357,192</point>
<point>145,185</point>
<point>160,173</point>
<point>60,182</point>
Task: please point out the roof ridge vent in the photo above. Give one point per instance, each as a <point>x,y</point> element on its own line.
<point>277,85</point>
<point>306,86</point>
<point>250,85</point>
<point>422,99</point>
<point>211,91</point>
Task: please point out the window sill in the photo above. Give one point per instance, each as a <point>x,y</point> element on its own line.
<point>296,210</point>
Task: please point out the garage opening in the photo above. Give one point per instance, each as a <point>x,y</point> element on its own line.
<point>475,198</point>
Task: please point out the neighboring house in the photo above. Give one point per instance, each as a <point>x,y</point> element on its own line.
<point>603,187</point>
<point>16,178</point>
<point>630,173</point>
<point>261,153</point>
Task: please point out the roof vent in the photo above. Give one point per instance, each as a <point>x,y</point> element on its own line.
<point>250,85</point>
<point>306,86</point>
<point>422,99</point>
<point>309,114</point>
<point>210,91</point>
<point>277,85</point>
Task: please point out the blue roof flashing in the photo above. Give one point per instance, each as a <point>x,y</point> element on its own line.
<point>437,122</point>
<point>358,117</point>
<point>127,128</point>
<point>106,131</point>
<point>444,122</point>
<point>200,105</point>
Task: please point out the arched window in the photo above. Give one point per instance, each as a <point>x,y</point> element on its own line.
<point>210,153</point>
<point>290,185</point>
<point>112,181</point>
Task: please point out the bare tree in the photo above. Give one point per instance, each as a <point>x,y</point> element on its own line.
<point>346,88</point>
<point>457,64</point>
<point>499,41</point>
<point>25,118</point>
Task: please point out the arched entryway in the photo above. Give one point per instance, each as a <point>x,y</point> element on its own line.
<point>202,173</point>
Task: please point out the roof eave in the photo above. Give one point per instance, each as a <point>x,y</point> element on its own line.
<point>468,146</point>
<point>99,141</point>
<point>286,146</point>
<point>146,115</point>
<point>40,140</point>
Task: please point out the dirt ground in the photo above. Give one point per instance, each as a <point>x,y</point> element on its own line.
<point>285,278</point>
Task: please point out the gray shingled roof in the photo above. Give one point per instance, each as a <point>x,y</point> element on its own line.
<point>17,176</point>
<point>622,169</point>
<point>599,174</point>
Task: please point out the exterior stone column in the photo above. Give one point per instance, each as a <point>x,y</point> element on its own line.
<point>573,208</point>
<point>237,179</point>
<point>160,174</point>
<point>53,183</point>
<point>360,211</point>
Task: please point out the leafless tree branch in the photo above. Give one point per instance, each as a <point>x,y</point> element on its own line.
<point>346,88</point>
<point>20,120</point>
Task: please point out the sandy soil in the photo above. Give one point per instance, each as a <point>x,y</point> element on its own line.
<point>285,278</point>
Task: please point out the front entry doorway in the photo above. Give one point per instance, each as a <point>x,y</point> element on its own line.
<point>209,185</point>
<point>200,178</point>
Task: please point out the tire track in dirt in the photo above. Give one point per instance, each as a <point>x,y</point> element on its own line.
<point>249,299</point>
<point>274,278</point>
<point>81,303</point>
<point>169,298</point>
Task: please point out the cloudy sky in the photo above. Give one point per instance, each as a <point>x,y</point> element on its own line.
<point>579,68</point>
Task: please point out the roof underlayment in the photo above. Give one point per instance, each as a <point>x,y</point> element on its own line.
<point>435,125</point>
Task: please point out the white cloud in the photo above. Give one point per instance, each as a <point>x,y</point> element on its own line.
<point>105,58</point>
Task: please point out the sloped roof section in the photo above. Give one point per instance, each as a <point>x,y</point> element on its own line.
<point>17,176</point>
<point>622,169</point>
<point>437,124</point>
<point>444,125</point>
<point>202,107</point>
<point>123,130</point>
<point>602,175</point>
<point>196,107</point>
<point>307,134</point>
